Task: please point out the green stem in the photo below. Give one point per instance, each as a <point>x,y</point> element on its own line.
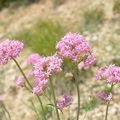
<point>54,98</point>
<point>106,115</point>
<point>30,87</point>
<point>6,111</point>
<point>78,96</point>
<point>35,109</point>
<point>22,73</point>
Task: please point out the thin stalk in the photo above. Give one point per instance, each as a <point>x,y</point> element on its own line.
<point>30,87</point>
<point>54,98</point>
<point>107,108</point>
<point>78,92</point>
<point>22,73</point>
<point>6,111</point>
<point>35,109</point>
<point>78,96</point>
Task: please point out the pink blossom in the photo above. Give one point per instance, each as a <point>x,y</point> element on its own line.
<point>38,90</point>
<point>111,74</point>
<point>40,86</point>
<point>81,65</point>
<point>47,66</point>
<point>66,101</point>
<point>20,81</point>
<point>31,73</point>
<point>9,49</point>
<point>32,59</point>
<point>73,46</point>
<point>2,98</point>
<point>103,96</point>
<point>89,59</point>
<point>43,69</point>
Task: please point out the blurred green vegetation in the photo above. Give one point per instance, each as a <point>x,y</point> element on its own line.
<point>42,37</point>
<point>117,6</point>
<point>58,2</point>
<point>92,18</point>
<point>90,105</point>
<point>13,3</point>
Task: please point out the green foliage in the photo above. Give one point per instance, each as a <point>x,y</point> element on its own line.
<point>58,2</point>
<point>117,6</point>
<point>42,37</point>
<point>90,105</point>
<point>47,111</point>
<point>92,19</point>
<point>2,113</point>
<point>7,3</point>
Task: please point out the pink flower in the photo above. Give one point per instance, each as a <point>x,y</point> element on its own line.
<point>2,98</point>
<point>20,81</point>
<point>73,46</point>
<point>31,73</point>
<point>40,86</point>
<point>111,74</point>
<point>38,90</point>
<point>47,66</point>
<point>9,49</point>
<point>103,96</point>
<point>89,59</point>
<point>81,65</point>
<point>43,69</point>
<point>66,101</point>
<point>32,59</point>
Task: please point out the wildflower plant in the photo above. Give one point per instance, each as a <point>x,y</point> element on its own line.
<point>111,75</point>
<point>72,46</point>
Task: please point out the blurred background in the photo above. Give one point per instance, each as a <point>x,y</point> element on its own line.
<point>40,24</point>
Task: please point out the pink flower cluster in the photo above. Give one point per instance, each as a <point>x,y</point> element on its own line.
<point>75,47</point>
<point>111,74</point>
<point>103,96</point>
<point>9,49</point>
<point>44,67</point>
<point>66,101</point>
<point>32,59</point>
<point>20,81</point>
<point>87,61</point>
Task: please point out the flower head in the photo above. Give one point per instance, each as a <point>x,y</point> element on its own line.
<point>73,46</point>
<point>20,81</point>
<point>38,90</point>
<point>47,66</point>
<point>111,74</point>
<point>32,59</point>
<point>9,49</point>
<point>103,96</point>
<point>43,69</point>
<point>66,101</point>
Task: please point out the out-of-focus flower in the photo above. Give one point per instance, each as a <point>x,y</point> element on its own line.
<point>103,96</point>
<point>2,98</point>
<point>31,73</point>
<point>9,49</point>
<point>38,90</point>
<point>20,81</point>
<point>111,74</point>
<point>73,46</point>
<point>32,59</point>
<point>64,102</point>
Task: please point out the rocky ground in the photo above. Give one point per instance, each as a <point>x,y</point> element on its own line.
<point>105,43</point>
